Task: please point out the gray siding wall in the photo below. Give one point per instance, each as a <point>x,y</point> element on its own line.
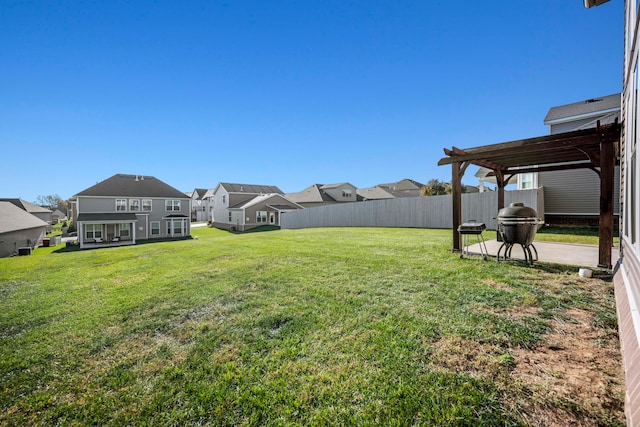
<point>575,192</point>
<point>96,205</point>
<point>570,126</point>
<point>11,241</point>
<point>413,212</point>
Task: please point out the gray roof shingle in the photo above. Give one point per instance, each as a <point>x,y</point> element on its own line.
<point>13,218</point>
<point>584,108</point>
<point>122,185</point>
<point>250,188</point>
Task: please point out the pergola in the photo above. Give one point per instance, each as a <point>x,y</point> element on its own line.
<point>595,149</point>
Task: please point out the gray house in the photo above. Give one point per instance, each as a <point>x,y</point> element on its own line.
<point>245,206</point>
<point>573,196</point>
<point>124,208</point>
<point>19,229</point>
<point>403,188</point>
<point>324,194</point>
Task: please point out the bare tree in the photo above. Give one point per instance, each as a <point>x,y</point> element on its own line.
<point>53,202</point>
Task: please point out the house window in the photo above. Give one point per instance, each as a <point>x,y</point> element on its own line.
<point>526,181</point>
<point>93,231</point>
<point>230,217</point>
<point>125,230</point>
<point>146,205</point>
<point>174,227</point>
<point>346,192</point>
<point>121,205</point>
<point>261,216</point>
<point>155,228</point>
<point>134,204</point>
<point>172,205</point>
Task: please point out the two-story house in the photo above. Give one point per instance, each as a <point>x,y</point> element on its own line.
<point>126,208</point>
<point>244,206</point>
<point>572,196</point>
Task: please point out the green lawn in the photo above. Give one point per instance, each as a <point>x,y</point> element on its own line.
<point>330,326</point>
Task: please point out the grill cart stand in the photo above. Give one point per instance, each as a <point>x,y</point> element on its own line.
<point>472,228</point>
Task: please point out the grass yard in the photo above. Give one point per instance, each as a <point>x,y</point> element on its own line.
<point>336,326</point>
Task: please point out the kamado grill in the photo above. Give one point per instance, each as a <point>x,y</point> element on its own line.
<point>517,225</point>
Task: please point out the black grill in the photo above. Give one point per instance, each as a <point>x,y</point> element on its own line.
<point>517,225</point>
<point>471,228</point>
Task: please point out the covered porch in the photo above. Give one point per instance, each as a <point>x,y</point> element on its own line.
<point>106,229</point>
<point>595,149</point>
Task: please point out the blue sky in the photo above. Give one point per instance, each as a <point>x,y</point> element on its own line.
<point>285,93</point>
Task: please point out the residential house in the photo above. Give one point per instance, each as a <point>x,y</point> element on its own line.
<point>245,206</point>
<point>324,194</point>
<point>58,216</point>
<point>19,230</point>
<point>627,273</point>
<point>199,205</point>
<point>35,210</point>
<point>373,193</point>
<point>572,196</point>
<point>403,188</point>
<point>125,208</point>
<point>209,198</point>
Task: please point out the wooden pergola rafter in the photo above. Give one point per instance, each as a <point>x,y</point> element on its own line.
<point>595,149</point>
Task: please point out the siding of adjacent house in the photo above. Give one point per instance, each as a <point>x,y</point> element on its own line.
<point>575,192</point>
<point>18,229</point>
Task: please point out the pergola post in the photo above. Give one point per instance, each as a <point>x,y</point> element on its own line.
<point>607,168</point>
<point>456,195</point>
<point>500,181</point>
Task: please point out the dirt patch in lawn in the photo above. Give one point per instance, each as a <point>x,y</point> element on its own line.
<point>576,367</point>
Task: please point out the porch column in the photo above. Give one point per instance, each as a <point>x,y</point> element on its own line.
<point>81,234</point>
<point>133,233</point>
<point>607,168</point>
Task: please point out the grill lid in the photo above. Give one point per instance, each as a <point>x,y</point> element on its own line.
<point>517,210</point>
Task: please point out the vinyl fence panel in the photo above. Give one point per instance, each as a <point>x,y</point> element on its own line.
<point>411,212</point>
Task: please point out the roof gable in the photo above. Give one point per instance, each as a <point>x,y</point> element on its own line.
<point>13,218</point>
<point>311,194</point>
<point>121,185</point>
<point>264,198</point>
<point>26,206</point>
<point>583,109</point>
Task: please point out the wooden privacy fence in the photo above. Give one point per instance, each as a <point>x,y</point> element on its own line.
<point>411,212</point>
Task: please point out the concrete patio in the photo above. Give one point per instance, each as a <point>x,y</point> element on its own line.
<point>585,256</point>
